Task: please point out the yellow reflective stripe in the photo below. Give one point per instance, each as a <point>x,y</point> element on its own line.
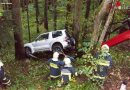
<point>54,76</point>
<point>62,73</point>
<point>7,82</point>
<point>53,65</point>
<point>4,78</point>
<point>103,63</point>
<point>99,77</point>
<point>69,74</point>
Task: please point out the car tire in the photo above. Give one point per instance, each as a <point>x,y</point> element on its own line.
<point>57,47</point>
<point>27,51</point>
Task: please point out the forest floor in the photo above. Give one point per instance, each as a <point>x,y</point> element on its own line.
<point>121,73</point>
<point>32,74</point>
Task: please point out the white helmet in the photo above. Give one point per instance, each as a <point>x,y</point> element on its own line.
<point>105,48</point>
<point>67,61</point>
<point>55,56</point>
<point>1,64</point>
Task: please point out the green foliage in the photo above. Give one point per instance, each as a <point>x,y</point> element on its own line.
<point>87,64</point>
<point>121,58</point>
<point>33,75</point>
<point>88,85</point>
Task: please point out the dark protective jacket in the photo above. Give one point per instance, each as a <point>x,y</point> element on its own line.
<point>66,74</point>
<point>55,68</point>
<point>103,70</point>
<point>4,79</point>
<point>1,73</point>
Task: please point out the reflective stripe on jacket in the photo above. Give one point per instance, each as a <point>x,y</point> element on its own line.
<point>55,68</point>
<point>66,73</point>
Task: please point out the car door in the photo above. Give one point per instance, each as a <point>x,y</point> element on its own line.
<point>47,44</point>
<point>40,43</point>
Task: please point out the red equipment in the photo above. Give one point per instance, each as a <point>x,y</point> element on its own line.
<point>118,39</point>
<point>121,37</point>
<point>118,3</point>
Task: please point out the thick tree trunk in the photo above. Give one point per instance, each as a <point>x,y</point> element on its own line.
<point>24,4</point>
<point>68,24</point>
<point>98,21</point>
<point>108,22</point>
<point>19,47</point>
<point>88,3</point>
<point>46,15</point>
<point>77,21</point>
<point>55,14</point>
<point>37,15</point>
<point>28,25</point>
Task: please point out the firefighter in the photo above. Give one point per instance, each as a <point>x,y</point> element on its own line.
<point>106,63</point>
<point>4,80</point>
<point>70,57</point>
<point>67,71</point>
<point>55,66</point>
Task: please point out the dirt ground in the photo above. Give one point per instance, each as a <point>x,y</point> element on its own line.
<point>115,79</point>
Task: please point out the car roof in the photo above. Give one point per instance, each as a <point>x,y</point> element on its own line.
<point>58,30</point>
<point>53,31</point>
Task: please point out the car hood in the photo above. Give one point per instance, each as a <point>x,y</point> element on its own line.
<point>27,44</point>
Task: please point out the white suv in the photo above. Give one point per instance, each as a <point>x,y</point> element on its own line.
<point>50,41</point>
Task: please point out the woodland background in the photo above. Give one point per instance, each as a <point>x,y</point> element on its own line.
<point>89,21</point>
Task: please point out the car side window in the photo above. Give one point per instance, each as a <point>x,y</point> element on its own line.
<point>43,37</point>
<point>56,34</point>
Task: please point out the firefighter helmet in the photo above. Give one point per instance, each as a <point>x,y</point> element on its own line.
<point>67,61</point>
<point>105,48</point>
<point>55,56</point>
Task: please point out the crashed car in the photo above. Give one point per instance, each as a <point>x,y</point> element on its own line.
<point>50,41</point>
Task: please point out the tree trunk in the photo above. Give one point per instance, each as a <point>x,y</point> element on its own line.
<point>99,2</point>
<point>19,47</point>
<point>28,25</point>
<point>77,21</point>
<point>37,15</point>
<point>98,21</point>
<point>69,17</point>
<point>108,22</point>
<point>88,3</point>
<point>24,4</point>
<point>46,15</point>
<point>55,13</point>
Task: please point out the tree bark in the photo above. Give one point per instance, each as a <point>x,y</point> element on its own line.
<point>88,3</point>
<point>46,15</point>
<point>69,17</point>
<point>24,4</point>
<point>37,15</point>
<point>55,13</point>
<point>108,22</point>
<point>98,21</point>
<point>77,21</point>
<point>19,47</point>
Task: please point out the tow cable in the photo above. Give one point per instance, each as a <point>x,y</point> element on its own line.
<point>45,62</point>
